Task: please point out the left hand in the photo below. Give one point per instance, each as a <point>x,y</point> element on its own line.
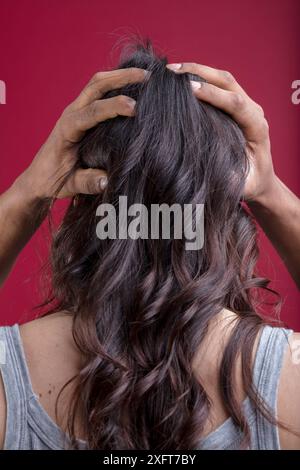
<point>57,157</point>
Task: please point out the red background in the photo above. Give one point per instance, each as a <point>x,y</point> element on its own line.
<point>50,49</point>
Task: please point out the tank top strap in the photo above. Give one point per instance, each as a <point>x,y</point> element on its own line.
<point>16,385</point>
<point>266,373</point>
<point>28,426</point>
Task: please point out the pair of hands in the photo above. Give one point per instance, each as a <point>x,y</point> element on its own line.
<point>58,154</point>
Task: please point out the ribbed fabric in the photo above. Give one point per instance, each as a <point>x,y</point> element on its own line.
<point>28,426</point>
<point>266,372</point>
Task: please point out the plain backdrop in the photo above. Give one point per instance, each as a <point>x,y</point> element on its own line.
<point>49,49</point>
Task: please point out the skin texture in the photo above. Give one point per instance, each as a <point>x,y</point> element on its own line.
<point>26,203</point>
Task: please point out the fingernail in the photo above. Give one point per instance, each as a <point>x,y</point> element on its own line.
<point>174,67</point>
<point>195,85</point>
<point>103,182</point>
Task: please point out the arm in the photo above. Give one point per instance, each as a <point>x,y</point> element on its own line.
<point>275,207</point>
<point>278,213</point>
<point>20,216</point>
<point>25,204</point>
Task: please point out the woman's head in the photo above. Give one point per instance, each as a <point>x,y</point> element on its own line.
<point>141,306</point>
<point>176,150</point>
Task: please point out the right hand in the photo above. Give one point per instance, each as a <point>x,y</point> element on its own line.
<point>222,91</point>
<point>58,154</point>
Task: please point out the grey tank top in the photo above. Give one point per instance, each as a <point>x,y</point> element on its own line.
<point>29,427</point>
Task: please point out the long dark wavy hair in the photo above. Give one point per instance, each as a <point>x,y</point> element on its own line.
<point>141,308</point>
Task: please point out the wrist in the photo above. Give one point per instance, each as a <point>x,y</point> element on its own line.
<point>25,195</point>
<point>39,181</point>
<point>269,196</point>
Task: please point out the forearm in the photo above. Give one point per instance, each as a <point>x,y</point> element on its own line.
<point>278,213</point>
<point>21,214</point>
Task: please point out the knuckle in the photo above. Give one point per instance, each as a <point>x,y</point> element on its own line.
<point>238,100</point>
<point>260,110</point>
<point>190,66</point>
<point>264,125</point>
<point>64,123</point>
<point>97,76</point>
<point>123,101</point>
<point>92,109</point>
<point>67,110</point>
<point>65,116</point>
<point>89,185</point>
<point>134,73</point>
<point>227,76</point>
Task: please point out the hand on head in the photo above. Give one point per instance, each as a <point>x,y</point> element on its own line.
<point>57,157</point>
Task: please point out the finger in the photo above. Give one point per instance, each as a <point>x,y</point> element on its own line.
<point>220,78</point>
<point>236,104</point>
<point>77,122</point>
<point>103,82</point>
<point>89,181</point>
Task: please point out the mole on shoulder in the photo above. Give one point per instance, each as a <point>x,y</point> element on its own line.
<point>51,387</point>
<point>40,395</point>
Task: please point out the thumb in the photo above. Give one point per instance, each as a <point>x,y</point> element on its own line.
<point>89,181</point>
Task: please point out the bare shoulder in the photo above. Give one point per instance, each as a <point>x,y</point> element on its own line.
<point>288,399</point>
<point>51,354</point>
<point>288,402</point>
<point>52,359</point>
<point>49,337</point>
<point>48,341</point>
<point>207,365</point>
<point>59,323</point>
<point>214,343</point>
